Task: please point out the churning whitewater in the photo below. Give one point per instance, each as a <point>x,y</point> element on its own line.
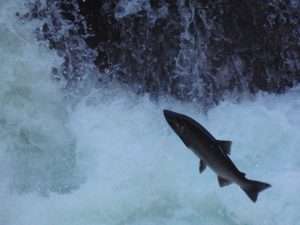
<point>110,158</point>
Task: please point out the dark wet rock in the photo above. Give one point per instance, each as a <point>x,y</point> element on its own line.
<point>193,50</point>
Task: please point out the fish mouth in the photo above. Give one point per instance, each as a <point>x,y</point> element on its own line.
<point>171,117</point>
<point>169,114</point>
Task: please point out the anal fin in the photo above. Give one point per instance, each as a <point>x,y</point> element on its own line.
<point>202,166</point>
<point>223,182</point>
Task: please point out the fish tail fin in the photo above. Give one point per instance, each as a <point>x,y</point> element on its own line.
<point>253,187</point>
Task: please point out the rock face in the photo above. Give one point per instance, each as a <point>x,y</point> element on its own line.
<point>193,50</point>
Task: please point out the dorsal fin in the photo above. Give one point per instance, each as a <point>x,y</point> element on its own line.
<point>242,174</point>
<point>225,145</point>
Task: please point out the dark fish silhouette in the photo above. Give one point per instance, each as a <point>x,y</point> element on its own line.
<point>213,153</point>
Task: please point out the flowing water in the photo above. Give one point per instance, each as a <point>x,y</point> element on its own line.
<point>110,158</point>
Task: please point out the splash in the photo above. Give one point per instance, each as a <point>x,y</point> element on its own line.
<point>137,170</point>
<point>37,148</point>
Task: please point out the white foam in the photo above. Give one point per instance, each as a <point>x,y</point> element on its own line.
<point>36,145</point>
<point>137,170</point>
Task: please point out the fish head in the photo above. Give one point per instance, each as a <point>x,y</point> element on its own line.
<point>177,122</point>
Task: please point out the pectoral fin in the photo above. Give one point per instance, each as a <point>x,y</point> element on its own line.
<point>225,145</point>
<point>223,182</point>
<point>202,166</point>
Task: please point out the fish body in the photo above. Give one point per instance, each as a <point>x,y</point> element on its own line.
<point>213,153</point>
